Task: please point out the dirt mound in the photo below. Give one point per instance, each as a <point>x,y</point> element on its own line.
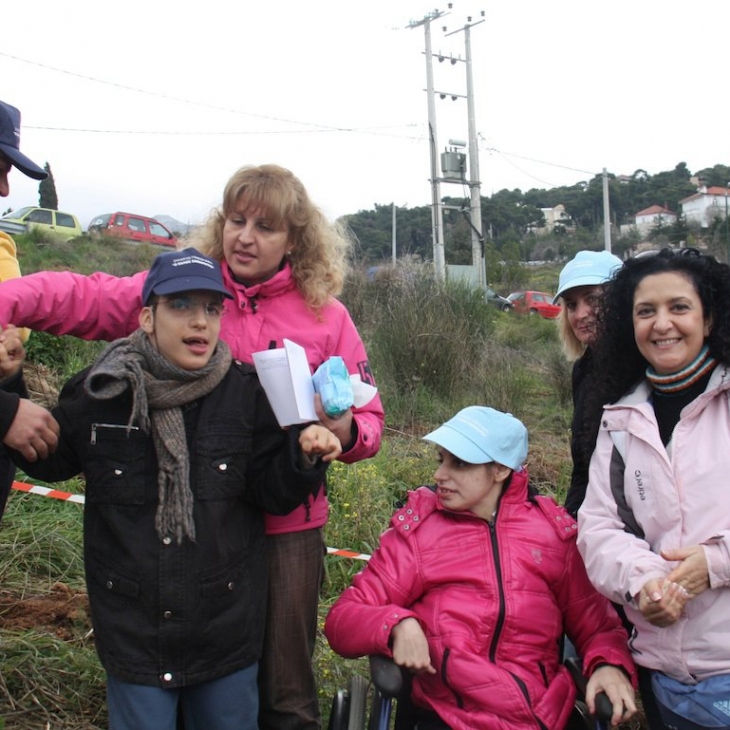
<point>63,612</point>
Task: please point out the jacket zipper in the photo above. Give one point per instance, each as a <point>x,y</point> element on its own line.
<point>500,619</point>
<point>445,679</point>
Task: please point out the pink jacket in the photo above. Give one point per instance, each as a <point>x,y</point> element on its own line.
<point>647,500</point>
<point>105,307</point>
<point>493,600</point>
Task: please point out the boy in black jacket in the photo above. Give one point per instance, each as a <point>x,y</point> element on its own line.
<point>181,454</point>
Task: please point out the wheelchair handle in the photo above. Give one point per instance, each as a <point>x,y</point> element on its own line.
<point>604,708</point>
<point>386,676</point>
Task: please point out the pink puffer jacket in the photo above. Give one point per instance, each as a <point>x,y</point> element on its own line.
<point>105,307</point>
<point>493,600</point>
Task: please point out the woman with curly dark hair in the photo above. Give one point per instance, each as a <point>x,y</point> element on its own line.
<point>653,530</point>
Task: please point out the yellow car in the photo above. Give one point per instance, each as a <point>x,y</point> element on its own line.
<point>63,225</point>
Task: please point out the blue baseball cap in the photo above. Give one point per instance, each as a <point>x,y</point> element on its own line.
<point>174,272</point>
<point>10,143</point>
<point>479,435</point>
<point>587,268</point>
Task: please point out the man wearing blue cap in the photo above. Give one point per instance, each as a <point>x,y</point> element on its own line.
<point>23,425</point>
<point>472,587</point>
<point>182,454</point>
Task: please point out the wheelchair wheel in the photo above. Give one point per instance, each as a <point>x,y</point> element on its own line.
<point>358,690</point>
<point>339,711</point>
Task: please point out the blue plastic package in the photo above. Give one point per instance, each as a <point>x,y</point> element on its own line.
<point>332,382</point>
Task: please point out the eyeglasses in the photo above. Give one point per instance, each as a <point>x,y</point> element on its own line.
<point>188,306</point>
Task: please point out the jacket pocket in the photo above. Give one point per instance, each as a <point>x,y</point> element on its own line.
<point>222,452</point>
<point>118,464</point>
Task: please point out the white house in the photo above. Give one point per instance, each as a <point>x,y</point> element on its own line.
<point>652,217</point>
<point>705,205</point>
<point>554,217</point>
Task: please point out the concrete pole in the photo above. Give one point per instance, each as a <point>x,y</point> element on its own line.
<point>474,182</point>
<point>394,252</point>
<point>606,213</point>
<point>437,217</point>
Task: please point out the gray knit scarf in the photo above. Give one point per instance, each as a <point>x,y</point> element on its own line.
<point>159,390</point>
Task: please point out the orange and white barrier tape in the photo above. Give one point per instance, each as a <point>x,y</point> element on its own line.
<point>81,499</point>
<point>347,554</point>
<point>47,492</point>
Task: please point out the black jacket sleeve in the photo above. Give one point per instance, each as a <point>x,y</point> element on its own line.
<point>278,479</point>
<point>64,462</point>
<point>11,391</point>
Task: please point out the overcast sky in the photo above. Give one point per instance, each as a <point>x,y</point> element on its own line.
<point>150,106</point>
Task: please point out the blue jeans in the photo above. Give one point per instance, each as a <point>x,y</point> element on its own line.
<point>228,703</point>
<point>287,689</point>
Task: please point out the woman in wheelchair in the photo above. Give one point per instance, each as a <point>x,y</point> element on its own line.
<point>473,586</point>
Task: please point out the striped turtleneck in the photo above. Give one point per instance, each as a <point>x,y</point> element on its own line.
<point>673,391</point>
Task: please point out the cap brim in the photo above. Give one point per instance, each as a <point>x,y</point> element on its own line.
<point>23,163</point>
<point>588,280</point>
<point>459,445</point>
<point>183,284</point>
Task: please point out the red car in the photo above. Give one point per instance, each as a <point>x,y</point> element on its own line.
<point>132,227</point>
<point>534,302</point>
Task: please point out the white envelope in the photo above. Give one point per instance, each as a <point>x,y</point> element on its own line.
<point>285,376</point>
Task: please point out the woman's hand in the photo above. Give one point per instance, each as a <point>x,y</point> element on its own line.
<point>661,601</point>
<point>691,573</point>
<point>614,682</point>
<point>410,647</point>
<point>341,426</point>
<point>317,440</point>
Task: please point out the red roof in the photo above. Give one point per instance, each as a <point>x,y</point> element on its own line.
<point>714,190</point>
<point>655,210</point>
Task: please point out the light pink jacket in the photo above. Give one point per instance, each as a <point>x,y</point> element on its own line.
<point>643,498</point>
<point>105,307</point>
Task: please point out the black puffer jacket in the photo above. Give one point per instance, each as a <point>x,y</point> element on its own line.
<point>166,614</point>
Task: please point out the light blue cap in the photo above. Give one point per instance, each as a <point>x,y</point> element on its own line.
<point>479,434</point>
<point>587,268</point>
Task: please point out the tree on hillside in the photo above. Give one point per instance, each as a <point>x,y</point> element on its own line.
<point>47,196</point>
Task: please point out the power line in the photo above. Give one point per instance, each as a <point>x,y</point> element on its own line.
<point>532,159</point>
<point>205,105</point>
<point>316,127</point>
<point>360,130</point>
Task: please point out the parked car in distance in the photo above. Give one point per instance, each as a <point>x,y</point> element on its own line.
<point>132,227</point>
<point>63,225</point>
<point>534,302</point>
<point>496,300</point>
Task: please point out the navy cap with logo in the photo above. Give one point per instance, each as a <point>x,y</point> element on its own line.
<point>174,272</point>
<point>10,143</point>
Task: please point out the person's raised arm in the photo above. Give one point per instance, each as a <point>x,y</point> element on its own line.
<point>96,307</point>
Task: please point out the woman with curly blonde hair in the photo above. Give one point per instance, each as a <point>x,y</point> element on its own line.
<point>283,264</point>
<point>318,248</point>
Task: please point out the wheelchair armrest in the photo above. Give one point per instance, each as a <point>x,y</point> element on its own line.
<point>386,675</point>
<point>604,708</point>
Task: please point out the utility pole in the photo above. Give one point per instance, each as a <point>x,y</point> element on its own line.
<point>395,259</point>
<point>606,213</point>
<point>475,207</point>
<point>439,258</point>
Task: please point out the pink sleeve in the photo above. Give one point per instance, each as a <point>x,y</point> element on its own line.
<point>96,307</point>
<point>592,622</point>
<point>361,620</point>
<point>370,418</point>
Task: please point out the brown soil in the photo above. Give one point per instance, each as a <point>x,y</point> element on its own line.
<point>62,612</point>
